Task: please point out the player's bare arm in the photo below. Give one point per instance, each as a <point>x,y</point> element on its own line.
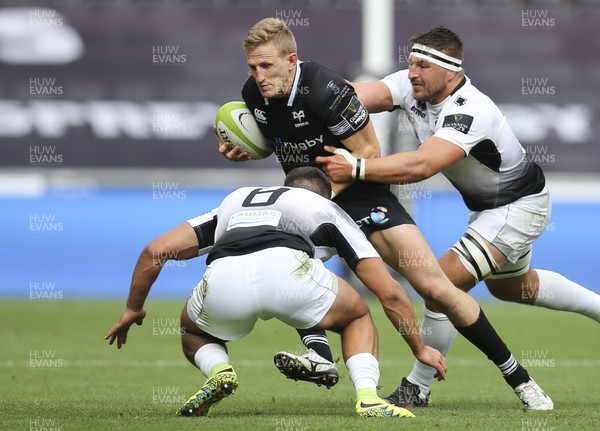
<point>362,144</point>
<point>399,310</point>
<point>179,243</point>
<point>432,156</point>
<point>375,96</point>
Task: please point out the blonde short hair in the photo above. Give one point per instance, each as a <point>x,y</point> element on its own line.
<point>271,30</point>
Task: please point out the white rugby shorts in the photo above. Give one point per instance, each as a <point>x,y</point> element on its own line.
<point>514,227</point>
<point>277,282</point>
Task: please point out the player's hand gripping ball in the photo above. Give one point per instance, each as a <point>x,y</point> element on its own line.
<point>236,124</point>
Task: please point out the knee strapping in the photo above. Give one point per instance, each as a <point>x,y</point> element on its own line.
<point>475,256</point>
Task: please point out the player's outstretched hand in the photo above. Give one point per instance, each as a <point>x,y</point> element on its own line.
<point>433,358</point>
<point>233,153</point>
<point>119,331</point>
<point>337,166</point>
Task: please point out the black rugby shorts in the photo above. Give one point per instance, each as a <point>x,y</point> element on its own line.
<point>373,206</point>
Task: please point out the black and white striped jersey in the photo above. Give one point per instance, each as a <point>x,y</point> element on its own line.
<point>254,218</point>
<point>495,170</point>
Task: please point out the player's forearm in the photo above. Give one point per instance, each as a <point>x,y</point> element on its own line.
<point>394,300</point>
<point>145,274</point>
<point>369,150</point>
<point>180,243</point>
<point>364,143</point>
<point>409,330</point>
<point>400,168</point>
<point>402,315</point>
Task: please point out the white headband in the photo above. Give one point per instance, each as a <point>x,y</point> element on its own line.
<point>437,57</point>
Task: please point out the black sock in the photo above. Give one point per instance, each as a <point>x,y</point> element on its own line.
<point>316,340</point>
<point>483,336</point>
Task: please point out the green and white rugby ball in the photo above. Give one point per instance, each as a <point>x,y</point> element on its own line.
<point>236,124</point>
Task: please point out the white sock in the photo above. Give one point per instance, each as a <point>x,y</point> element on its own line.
<point>438,332</point>
<point>210,355</point>
<point>363,369</point>
<point>559,293</point>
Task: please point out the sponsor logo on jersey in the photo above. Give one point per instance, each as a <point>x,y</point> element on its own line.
<point>378,216</point>
<point>460,122</point>
<point>417,111</point>
<point>249,218</point>
<point>260,115</point>
<point>355,113</point>
<point>338,98</point>
<point>299,116</point>
<point>282,146</point>
<point>333,87</point>
<point>460,101</point>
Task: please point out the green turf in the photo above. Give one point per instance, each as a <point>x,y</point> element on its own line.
<point>58,374</point>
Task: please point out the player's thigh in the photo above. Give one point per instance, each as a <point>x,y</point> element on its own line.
<point>405,249</point>
<point>223,304</point>
<point>294,288</point>
<point>513,228</point>
<point>507,234</point>
<point>188,326</point>
<point>347,307</point>
<point>471,259</point>
<point>192,337</point>
<point>456,272</point>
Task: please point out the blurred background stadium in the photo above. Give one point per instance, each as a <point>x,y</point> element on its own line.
<point>107,107</point>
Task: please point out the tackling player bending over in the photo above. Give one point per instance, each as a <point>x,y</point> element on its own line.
<point>262,240</point>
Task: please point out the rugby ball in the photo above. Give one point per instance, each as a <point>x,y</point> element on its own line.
<point>236,124</point>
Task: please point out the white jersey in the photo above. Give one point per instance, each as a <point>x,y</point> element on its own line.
<point>495,170</point>
<point>255,218</point>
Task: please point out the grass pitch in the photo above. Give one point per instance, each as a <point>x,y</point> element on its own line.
<point>58,374</point>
